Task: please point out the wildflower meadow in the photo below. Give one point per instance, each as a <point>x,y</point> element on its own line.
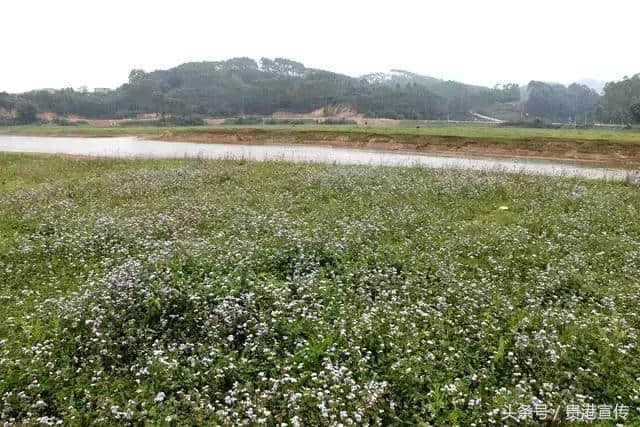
<point>227,292</point>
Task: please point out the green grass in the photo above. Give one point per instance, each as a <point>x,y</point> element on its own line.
<point>227,292</point>
<point>426,129</point>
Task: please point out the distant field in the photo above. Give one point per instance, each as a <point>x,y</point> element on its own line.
<point>193,292</point>
<point>425,129</point>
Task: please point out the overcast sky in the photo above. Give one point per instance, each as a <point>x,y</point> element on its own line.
<point>95,43</point>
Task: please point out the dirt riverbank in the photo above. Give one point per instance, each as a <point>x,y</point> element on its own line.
<point>588,151</point>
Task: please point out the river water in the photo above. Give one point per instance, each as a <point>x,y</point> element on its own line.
<point>134,147</point>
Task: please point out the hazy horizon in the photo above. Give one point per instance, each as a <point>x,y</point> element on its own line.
<point>79,44</point>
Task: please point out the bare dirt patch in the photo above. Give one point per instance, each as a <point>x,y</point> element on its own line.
<point>589,151</point>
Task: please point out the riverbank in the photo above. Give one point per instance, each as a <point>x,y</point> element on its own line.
<point>132,147</point>
<point>594,146</point>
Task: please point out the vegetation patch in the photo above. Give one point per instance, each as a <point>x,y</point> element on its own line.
<point>248,120</point>
<point>227,292</point>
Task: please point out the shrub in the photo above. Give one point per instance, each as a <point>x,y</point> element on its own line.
<point>185,121</point>
<point>169,121</point>
<point>339,122</point>
<point>61,121</point>
<point>245,120</point>
<point>289,121</point>
<point>535,124</point>
<point>7,121</point>
<point>134,123</point>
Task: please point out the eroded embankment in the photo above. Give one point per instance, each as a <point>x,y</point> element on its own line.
<point>591,151</point>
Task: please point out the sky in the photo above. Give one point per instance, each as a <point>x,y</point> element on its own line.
<point>56,44</point>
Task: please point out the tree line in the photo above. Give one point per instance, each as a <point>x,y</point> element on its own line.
<point>620,102</point>
<point>563,103</point>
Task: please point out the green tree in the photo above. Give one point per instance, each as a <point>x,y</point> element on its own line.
<point>136,76</point>
<point>26,113</point>
<point>159,103</point>
<point>6,101</point>
<point>635,112</point>
<point>619,97</point>
<point>558,102</point>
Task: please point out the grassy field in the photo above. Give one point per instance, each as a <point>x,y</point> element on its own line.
<point>230,292</point>
<point>426,129</point>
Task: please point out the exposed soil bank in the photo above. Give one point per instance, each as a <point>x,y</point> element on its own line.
<point>590,151</point>
<point>584,149</point>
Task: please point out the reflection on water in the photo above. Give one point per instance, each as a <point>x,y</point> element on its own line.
<point>133,147</point>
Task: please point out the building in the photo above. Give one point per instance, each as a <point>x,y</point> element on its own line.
<point>101,90</point>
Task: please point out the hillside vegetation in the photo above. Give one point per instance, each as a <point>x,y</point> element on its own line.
<point>242,87</point>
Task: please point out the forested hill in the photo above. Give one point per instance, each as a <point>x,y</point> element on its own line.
<point>241,86</point>
<point>446,88</point>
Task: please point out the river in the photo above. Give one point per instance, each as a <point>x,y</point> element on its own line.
<point>134,147</point>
